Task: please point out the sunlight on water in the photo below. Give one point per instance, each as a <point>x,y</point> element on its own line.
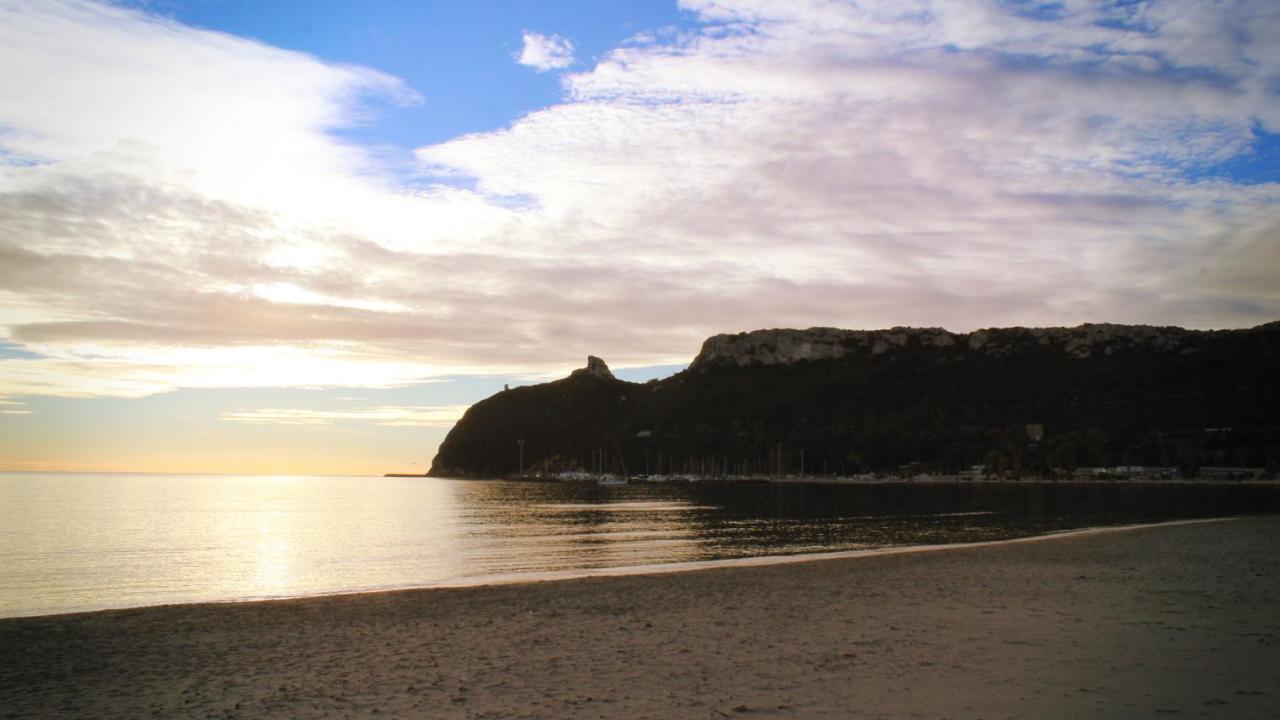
<point>82,542</point>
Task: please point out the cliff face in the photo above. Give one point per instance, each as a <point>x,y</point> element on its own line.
<point>852,400</point>
<point>780,347</point>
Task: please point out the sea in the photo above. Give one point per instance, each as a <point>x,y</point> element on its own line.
<point>81,542</point>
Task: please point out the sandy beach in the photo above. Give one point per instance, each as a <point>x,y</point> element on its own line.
<point>1170,620</point>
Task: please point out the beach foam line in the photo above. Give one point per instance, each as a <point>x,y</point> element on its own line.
<point>523,578</point>
<point>765,560</point>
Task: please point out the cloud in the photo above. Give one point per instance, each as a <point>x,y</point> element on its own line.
<point>545,52</point>
<point>13,407</point>
<point>181,106</point>
<point>964,164</point>
<point>437,416</point>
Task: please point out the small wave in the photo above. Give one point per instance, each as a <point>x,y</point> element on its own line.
<point>636,506</point>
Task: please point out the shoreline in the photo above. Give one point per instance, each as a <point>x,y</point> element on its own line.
<point>694,566</point>
<point>656,569</point>
<point>837,480</point>
<point>1108,623</point>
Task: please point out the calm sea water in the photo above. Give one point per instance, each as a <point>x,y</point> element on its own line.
<point>72,542</point>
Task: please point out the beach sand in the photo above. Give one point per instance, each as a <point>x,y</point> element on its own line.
<point>1172,620</point>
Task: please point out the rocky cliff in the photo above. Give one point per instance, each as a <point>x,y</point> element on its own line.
<point>840,401</point>
<point>778,347</point>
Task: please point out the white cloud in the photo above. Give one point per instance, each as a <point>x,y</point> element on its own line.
<point>13,407</point>
<point>545,52</point>
<point>810,163</point>
<point>901,152</point>
<point>437,416</point>
<point>235,119</point>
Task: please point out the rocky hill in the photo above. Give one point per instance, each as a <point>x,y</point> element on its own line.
<point>825,400</point>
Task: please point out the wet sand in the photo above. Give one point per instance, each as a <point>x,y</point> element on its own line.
<point>1177,620</point>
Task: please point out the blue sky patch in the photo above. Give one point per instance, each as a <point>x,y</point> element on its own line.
<point>459,56</point>
<point>10,351</point>
<point>1037,10</point>
<point>1259,164</point>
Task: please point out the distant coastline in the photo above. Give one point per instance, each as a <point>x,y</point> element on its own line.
<point>1088,403</point>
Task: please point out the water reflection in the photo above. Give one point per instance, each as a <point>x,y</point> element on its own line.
<point>586,526</point>
<point>77,542</point>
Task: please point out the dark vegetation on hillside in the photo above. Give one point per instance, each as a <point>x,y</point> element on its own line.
<point>1200,399</point>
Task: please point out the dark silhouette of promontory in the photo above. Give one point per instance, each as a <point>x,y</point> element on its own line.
<point>1009,401</point>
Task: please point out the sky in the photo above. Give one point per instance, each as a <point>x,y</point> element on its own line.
<point>302,237</point>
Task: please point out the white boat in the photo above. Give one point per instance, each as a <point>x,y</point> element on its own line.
<point>610,480</point>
